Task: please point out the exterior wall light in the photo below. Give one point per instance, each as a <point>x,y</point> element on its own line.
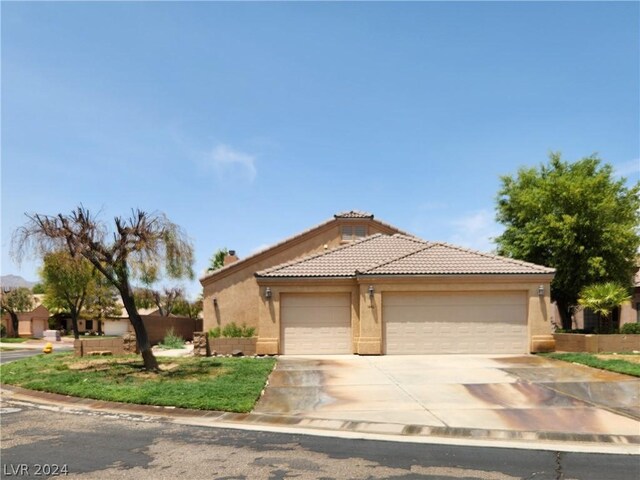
<point>215,302</point>
<point>371,290</point>
<point>267,293</point>
<point>541,290</point>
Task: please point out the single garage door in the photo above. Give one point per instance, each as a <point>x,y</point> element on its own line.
<point>316,324</point>
<point>488,322</point>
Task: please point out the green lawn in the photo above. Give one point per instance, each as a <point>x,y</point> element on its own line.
<point>226,384</point>
<point>13,340</point>
<point>619,365</point>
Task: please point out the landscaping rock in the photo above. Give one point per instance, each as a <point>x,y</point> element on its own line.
<point>237,353</point>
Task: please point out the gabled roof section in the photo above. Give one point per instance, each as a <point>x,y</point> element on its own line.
<point>444,259</point>
<point>347,260</point>
<point>354,214</point>
<point>348,215</point>
<point>399,255</point>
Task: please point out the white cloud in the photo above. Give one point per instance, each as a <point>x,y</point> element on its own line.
<point>475,230</point>
<point>625,169</point>
<point>228,162</point>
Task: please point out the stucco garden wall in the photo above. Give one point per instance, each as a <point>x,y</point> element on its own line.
<point>575,342</point>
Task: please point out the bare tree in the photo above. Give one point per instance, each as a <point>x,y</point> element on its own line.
<point>141,246</point>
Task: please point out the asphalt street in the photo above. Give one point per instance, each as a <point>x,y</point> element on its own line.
<point>96,445</point>
<point>11,355</point>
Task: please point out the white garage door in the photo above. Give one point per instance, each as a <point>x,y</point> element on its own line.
<point>316,324</point>
<point>455,323</point>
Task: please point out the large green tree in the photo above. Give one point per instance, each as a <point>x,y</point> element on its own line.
<point>575,217</point>
<point>68,282</point>
<point>140,246</point>
<point>14,301</point>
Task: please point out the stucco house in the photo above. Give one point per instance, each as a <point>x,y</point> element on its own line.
<point>354,284</point>
<point>30,324</point>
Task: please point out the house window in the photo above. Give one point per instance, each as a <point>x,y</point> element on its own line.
<point>353,232</point>
<point>89,325</point>
<point>638,312</point>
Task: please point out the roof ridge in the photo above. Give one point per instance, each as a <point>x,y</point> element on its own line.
<point>494,256</point>
<point>426,246</point>
<point>318,254</point>
<point>293,237</point>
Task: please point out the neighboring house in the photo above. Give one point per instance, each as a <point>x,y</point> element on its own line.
<point>30,324</point>
<point>357,285</point>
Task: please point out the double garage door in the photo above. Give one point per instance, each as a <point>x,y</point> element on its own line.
<point>492,322</point>
<point>413,323</point>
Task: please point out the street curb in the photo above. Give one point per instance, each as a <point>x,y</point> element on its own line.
<point>627,444</point>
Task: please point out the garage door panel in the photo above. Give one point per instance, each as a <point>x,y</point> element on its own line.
<point>316,324</point>
<point>455,323</point>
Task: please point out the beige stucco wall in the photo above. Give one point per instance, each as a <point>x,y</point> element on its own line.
<point>366,312</point>
<point>236,289</point>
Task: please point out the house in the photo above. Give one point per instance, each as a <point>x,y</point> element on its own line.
<point>354,284</point>
<point>30,324</point>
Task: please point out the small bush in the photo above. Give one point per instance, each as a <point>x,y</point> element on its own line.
<point>171,340</point>
<point>3,331</point>
<point>231,330</point>
<point>630,328</point>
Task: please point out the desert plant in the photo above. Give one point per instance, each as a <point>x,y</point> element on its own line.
<point>231,330</point>
<point>630,328</point>
<point>171,340</point>
<point>602,298</point>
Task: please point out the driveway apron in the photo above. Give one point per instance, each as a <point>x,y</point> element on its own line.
<point>489,392</point>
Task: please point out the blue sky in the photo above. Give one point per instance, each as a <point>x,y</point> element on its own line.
<point>249,122</point>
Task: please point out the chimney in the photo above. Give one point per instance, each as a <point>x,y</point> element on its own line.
<point>230,258</point>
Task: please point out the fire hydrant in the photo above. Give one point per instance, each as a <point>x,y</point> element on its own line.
<point>48,348</point>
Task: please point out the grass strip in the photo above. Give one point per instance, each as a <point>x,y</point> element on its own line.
<point>591,360</point>
<point>13,340</point>
<point>224,384</point>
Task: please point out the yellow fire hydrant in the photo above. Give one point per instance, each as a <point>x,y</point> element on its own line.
<point>48,348</point>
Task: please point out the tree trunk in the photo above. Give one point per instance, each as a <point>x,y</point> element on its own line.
<point>15,323</point>
<point>142,339</point>
<point>74,324</point>
<point>566,312</point>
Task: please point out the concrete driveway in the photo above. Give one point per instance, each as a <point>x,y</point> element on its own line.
<point>488,392</point>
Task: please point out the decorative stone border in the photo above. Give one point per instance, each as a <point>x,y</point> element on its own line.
<point>577,342</point>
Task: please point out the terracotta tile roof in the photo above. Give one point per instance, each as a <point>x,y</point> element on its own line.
<point>353,214</point>
<point>250,258</point>
<point>444,259</point>
<point>400,255</point>
<point>346,260</point>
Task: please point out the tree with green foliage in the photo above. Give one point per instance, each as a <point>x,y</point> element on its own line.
<point>141,246</point>
<point>602,299</point>
<point>217,260</point>
<point>574,217</point>
<point>15,301</point>
<point>68,282</point>
<point>103,302</point>
<point>37,289</point>
<point>164,300</point>
<point>185,308</point>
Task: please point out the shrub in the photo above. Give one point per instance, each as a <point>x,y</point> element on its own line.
<point>3,331</point>
<point>231,330</point>
<point>630,328</point>
<point>171,340</point>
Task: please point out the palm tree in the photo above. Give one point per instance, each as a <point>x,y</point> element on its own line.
<point>602,299</point>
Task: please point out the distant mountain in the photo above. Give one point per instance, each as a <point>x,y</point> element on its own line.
<point>13,281</point>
